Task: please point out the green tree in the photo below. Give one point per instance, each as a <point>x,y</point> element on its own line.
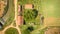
<point>30,14</point>
<point>11,31</point>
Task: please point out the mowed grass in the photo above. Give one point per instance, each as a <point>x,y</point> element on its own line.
<point>9,17</point>
<point>51,9</point>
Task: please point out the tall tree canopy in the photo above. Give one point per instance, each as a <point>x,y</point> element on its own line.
<point>30,14</point>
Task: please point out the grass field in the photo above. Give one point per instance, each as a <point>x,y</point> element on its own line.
<point>9,17</point>
<point>51,12</point>
<point>51,8</point>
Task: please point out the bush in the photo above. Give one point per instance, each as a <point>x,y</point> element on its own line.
<point>30,28</point>
<point>11,31</point>
<point>24,23</point>
<point>30,14</point>
<point>24,30</point>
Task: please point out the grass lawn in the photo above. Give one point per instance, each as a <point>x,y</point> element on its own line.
<point>14,23</point>
<point>11,31</point>
<point>24,30</point>
<point>51,10</point>
<point>9,17</point>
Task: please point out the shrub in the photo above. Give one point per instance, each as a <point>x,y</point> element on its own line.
<point>11,31</point>
<point>30,14</point>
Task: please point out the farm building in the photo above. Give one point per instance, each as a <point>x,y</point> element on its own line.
<point>19,17</point>
<point>29,6</point>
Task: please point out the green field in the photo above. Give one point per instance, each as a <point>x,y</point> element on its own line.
<point>9,17</point>
<point>51,9</point>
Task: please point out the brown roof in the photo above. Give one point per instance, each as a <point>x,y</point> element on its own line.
<point>19,8</point>
<point>19,20</point>
<point>28,6</point>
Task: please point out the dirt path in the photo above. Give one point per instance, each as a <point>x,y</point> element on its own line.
<point>2,32</point>
<point>12,27</point>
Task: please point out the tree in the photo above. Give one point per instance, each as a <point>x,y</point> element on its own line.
<point>30,14</point>
<point>11,31</point>
<point>30,28</point>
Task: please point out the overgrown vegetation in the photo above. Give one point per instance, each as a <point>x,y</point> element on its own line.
<point>11,31</point>
<point>37,6</point>
<point>30,15</point>
<point>14,23</point>
<point>10,14</point>
<point>25,29</point>
<point>6,8</point>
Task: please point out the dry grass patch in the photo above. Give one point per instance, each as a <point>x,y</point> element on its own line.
<point>49,20</point>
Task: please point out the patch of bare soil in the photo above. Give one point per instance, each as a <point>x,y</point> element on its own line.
<point>1,8</point>
<point>52,21</point>
<point>53,31</point>
<point>1,32</point>
<point>49,20</point>
<point>1,13</point>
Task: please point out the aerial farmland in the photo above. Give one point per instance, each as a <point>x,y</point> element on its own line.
<point>29,16</point>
